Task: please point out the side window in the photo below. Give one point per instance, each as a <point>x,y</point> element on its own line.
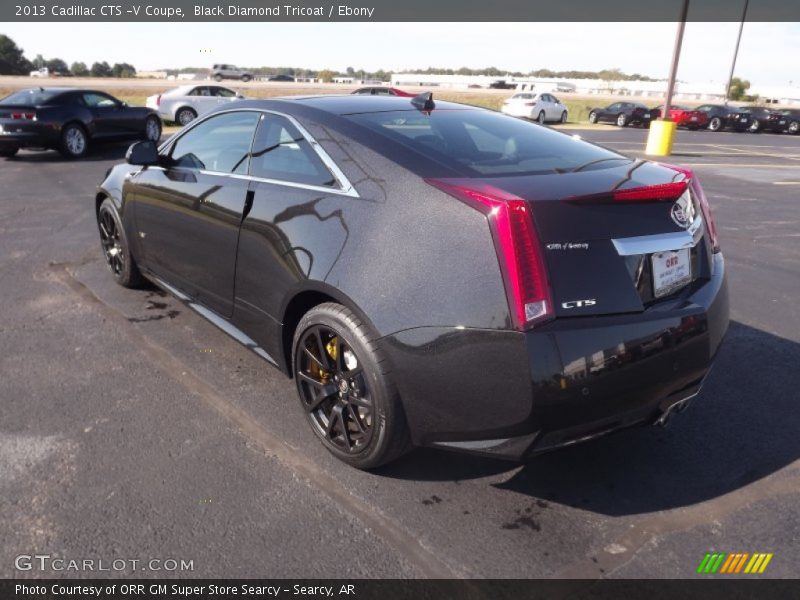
<point>615,106</point>
<point>194,92</point>
<point>281,152</point>
<point>556,100</point>
<point>222,92</point>
<point>221,143</point>
<point>95,100</point>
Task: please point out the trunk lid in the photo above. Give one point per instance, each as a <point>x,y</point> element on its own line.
<point>599,251</point>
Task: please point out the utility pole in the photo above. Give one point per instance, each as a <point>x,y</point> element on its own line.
<point>736,52</point>
<point>662,130</point>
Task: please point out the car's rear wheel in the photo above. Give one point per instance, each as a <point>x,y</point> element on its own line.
<point>74,141</point>
<point>185,116</point>
<point>754,126</point>
<point>115,246</point>
<point>541,117</point>
<point>152,128</point>
<point>592,117</point>
<point>346,388</point>
<point>793,127</point>
<point>217,77</point>
<point>246,78</point>
<point>622,120</point>
<point>8,152</point>
<point>564,117</point>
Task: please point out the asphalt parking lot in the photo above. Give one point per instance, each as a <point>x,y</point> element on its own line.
<point>130,428</point>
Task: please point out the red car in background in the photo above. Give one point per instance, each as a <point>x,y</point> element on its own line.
<point>377,90</point>
<point>683,116</point>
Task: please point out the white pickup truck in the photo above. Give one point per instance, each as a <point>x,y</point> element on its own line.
<point>43,72</point>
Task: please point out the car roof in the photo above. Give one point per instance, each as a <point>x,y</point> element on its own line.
<point>346,104</point>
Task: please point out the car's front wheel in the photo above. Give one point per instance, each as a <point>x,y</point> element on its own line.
<point>8,152</point>
<point>622,120</point>
<point>115,246</point>
<point>217,77</point>
<point>74,141</point>
<point>564,117</point>
<point>185,116</point>
<point>152,128</point>
<point>755,126</point>
<point>715,124</point>
<point>793,127</point>
<point>592,118</point>
<point>541,118</point>
<point>246,78</point>
<point>346,389</point>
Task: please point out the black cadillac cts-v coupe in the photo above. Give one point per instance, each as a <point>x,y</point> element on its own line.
<point>430,273</point>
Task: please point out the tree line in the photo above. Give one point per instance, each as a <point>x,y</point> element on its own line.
<point>14,62</point>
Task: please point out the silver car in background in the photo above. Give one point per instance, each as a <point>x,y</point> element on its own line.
<point>185,103</point>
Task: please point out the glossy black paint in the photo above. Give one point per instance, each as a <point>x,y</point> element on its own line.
<point>783,120</point>
<point>419,267</point>
<point>112,123</point>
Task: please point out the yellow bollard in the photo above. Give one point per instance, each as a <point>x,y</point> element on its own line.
<point>659,139</point>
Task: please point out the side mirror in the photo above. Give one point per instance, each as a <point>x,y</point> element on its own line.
<point>142,153</point>
<point>124,105</point>
<point>240,97</point>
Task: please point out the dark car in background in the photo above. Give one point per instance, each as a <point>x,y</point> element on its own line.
<point>430,273</point>
<point>750,118</point>
<point>70,120</point>
<point>719,116</point>
<point>784,120</point>
<point>682,116</point>
<point>622,114</point>
<point>286,78</point>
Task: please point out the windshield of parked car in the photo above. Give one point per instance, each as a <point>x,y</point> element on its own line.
<point>487,143</point>
<point>31,97</point>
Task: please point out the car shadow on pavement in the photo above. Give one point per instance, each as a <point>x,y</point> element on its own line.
<point>741,428</point>
<point>98,152</point>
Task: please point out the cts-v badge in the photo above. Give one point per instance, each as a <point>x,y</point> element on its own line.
<point>682,212</point>
<point>579,303</point>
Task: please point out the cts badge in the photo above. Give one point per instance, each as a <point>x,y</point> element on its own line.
<point>579,303</point>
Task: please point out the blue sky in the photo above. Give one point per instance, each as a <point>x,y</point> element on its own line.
<point>769,53</point>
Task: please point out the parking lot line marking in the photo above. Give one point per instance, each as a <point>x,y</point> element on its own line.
<point>786,183</point>
<point>737,165</point>
<point>425,559</point>
<point>767,154</point>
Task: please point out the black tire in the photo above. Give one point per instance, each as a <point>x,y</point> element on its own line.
<point>541,119</point>
<point>152,128</point>
<point>8,152</point>
<point>185,115</point>
<point>246,78</point>
<point>622,120</point>
<point>715,124</point>
<point>363,426</point>
<point>74,141</point>
<point>592,118</point>
<point>563,117</point>
<point>116,249</point>
<point>754,127</point>
<point>218,77</point>
<point>692,127</point>
<point>793,127</point>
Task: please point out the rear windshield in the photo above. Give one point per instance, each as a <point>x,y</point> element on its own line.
<point>31,97</point>
<point>488,143</point>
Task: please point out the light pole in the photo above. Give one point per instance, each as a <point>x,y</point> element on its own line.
<point>736,52</point>
<point>662,130</point>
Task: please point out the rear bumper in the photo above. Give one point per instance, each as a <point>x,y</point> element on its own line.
<point>512,394</point>
<point>14,134</point>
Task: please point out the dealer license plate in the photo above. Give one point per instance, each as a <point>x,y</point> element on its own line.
<point>671,270</point>
<point>694,118</point>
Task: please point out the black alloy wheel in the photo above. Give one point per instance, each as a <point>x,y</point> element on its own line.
<point>345,389</point>
<point>115,247</point>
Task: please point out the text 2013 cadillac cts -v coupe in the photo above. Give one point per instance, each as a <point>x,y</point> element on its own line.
<point>430,274</point>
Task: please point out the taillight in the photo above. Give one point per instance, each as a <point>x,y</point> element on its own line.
<point>705,207</point>
<point>647,193</point>
<point>24,116</point>
<point>516,243</point>
<point>158,100</point>
<point>530,104</point>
